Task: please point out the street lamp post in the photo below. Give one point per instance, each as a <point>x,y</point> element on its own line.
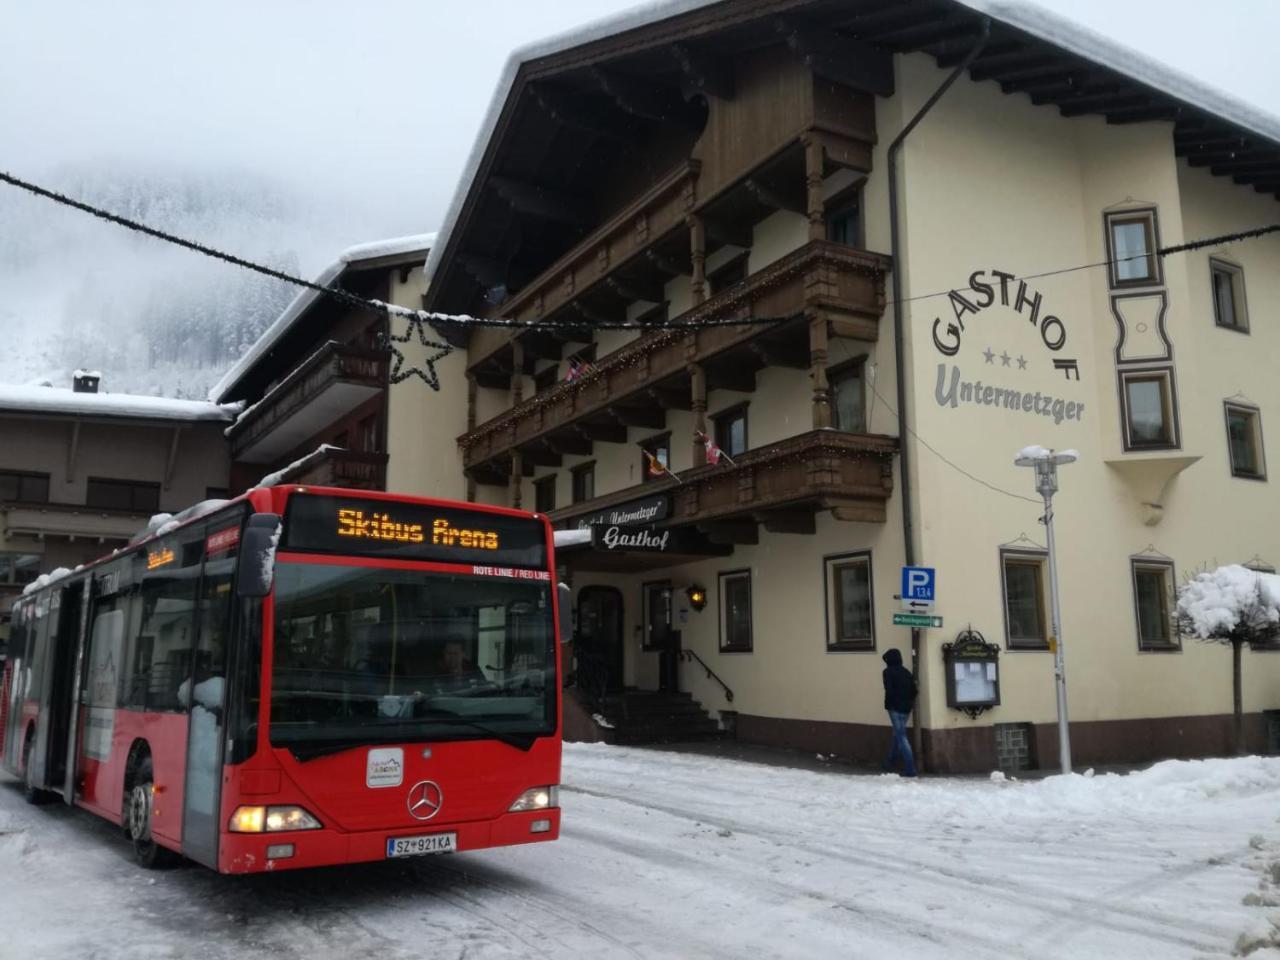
<point>1045,462</point>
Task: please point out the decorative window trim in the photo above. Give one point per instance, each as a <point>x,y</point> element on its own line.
<point>729,412</point>
<point>1026,557</point>
<point>831,565</point>
<point>544,483</point>
<point>1229,407</point>
<point>1148,215</point>
<point>1239,300</point>
<point>721,596</point>
<point>575,472</point>
<point>1174,644</point>
<point>841,370</point>
<point>840,203</point>
<point>1175,425</point>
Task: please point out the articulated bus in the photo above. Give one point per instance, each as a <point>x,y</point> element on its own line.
<point>299,677</point>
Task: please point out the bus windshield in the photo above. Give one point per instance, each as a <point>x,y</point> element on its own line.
<point>370,654</point>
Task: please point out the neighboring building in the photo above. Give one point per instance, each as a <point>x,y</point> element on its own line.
<point>320,408</point>
<point>714,161</point>
<point>82,471</point>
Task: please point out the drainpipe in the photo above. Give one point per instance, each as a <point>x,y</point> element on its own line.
<point>908,520</point>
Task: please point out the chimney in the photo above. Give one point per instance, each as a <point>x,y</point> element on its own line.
<point>85,381</point>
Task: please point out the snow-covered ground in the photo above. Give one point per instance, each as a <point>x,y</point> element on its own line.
<point>678,855</point>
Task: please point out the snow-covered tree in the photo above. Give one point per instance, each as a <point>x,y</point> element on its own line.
<point>1233,605</point>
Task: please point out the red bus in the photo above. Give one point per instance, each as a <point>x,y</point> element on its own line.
<point>298,677</point>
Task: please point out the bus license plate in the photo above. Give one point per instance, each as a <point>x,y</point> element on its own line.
<point>418,846</point>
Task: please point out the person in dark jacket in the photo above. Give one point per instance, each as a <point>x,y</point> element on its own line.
<point>899,699</point>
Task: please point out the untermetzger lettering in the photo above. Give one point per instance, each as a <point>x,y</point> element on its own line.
<point>622,517</point>
<point>953,391</point>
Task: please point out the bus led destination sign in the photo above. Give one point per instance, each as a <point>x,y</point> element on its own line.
<point>412,531</point>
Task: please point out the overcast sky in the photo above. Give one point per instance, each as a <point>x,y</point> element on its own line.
<point>367,111</point>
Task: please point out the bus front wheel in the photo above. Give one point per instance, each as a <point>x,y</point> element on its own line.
<point>146,851</point>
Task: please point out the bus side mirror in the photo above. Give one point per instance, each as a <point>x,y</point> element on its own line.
<point>566,616</point>
<point>255,567</point>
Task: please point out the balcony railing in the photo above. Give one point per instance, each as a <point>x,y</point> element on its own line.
<point>779,486</point>
<point>325,387</point>
<point>837,286</point>
<point>331,467</point>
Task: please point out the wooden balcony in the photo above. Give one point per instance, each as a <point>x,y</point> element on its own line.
<point>73,520</point>
<point>324,388</point>
<point>780,487</point>
<point>331,467</point>
<point>820,290</point>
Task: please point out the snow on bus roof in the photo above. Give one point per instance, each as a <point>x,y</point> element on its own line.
<point>1060,31</point>
<point>58,400</point>
<point>374,250</point>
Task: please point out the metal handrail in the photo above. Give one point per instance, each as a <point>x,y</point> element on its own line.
<point>687,654</point>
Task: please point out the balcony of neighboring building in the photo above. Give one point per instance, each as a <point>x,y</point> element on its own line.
<point>328,386</point>
<point>70,520</point>
<point>334,467</point>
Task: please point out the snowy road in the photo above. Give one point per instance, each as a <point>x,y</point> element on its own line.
<point>675,855</point>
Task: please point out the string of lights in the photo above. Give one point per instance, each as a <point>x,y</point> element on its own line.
<point>447,319</point>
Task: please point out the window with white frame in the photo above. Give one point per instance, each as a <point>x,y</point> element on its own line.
<point>850,609</point>
<point>735,611</point>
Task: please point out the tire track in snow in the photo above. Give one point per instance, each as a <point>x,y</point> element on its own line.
<point>1058,904</point>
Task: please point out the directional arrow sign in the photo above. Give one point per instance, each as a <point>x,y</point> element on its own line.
<point>916,620</point>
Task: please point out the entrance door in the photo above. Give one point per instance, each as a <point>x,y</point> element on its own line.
<point>207,703</point>
<point>600,632</point>
<point>65,653</point>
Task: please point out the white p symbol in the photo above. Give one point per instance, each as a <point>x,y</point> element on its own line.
<point>917,583</point>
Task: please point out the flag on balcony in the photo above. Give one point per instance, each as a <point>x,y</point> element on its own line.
<point>657,468</point>
<point>714,454</point>
<point>577,369</point>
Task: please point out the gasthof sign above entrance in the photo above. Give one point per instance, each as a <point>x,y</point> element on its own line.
<point>919,589</point>
<point>632,513</point>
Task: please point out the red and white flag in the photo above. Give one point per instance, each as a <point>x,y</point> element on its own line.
<point>714,453</point>
<point>657,468</point>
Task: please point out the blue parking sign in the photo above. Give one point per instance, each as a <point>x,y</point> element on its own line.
<point>918,584</point>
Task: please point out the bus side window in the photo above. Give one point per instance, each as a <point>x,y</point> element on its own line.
<point>160,665</point>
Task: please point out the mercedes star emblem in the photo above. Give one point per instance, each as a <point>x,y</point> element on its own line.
<point>425,799</point>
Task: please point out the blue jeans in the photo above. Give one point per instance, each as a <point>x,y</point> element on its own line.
<point>901,748</point>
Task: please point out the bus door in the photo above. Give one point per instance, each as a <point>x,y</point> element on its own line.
<point>66,649</point>
<point>206,733</point>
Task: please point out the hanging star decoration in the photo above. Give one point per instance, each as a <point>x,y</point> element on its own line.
<point>430,376</point>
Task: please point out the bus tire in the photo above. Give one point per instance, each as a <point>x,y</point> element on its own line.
<point>30,792</point>
<point>146,851</point>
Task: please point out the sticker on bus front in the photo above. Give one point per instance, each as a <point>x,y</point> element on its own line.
<point>385,767</point>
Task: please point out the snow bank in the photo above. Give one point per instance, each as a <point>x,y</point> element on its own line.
<point>1216,602</point>
<point>42,399</point>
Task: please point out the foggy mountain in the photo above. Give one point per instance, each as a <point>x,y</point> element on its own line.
<point>153,318</point>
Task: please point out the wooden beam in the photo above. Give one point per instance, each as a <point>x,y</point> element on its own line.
<point>1217,157</point>
<point>789,521</point>
<point>644,101</point>
<point>671,398</point>
<point>827,54</point>
<point>567,113</point>
<point>1103,104</point>
<point>1150,114</point>
<point>539,202</point>
<point>707,74</point>
<point>996,59</point>
<point>667,265</point>
<point>571,443</point>
<point>729,378</point>
<point>721,232</point>
<point>539,455</point>
<point>651,418</point>
<point>632,289</point>
<point>924,34</point>
<point>772,354</point>
<point>774,199</point>
<point>598,432</point>
<point>487,271</point>
<point>731,532</point>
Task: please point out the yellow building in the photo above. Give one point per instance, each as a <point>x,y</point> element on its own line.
<point>719,162</point>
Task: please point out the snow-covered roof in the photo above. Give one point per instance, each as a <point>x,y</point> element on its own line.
<point>418,243</point>
<point>63,402</point>
<point>1050,27</point>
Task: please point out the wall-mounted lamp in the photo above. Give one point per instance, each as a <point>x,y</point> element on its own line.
<point>697,595</point>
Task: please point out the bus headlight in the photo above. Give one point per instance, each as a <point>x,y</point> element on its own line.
<point>537,798</point>
<point>271,820</point>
